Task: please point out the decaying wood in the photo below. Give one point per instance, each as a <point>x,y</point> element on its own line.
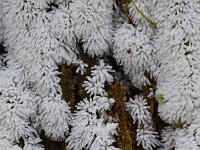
<point>68,84</point>
<point>125,9</point>
<point>52,145</point>
<point>81,78</point>
<point>125,135</point>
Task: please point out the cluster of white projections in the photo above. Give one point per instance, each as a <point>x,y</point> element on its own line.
<point>38,36</point>
<point>177,52</point>
<point>91,127</point>
<point>160,41</point>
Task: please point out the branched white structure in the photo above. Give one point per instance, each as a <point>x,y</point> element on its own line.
<point>5,142</point>
<point>54,116</point>
<point>102,72</point>
<point>39,35</point>
<point>168,135</point>
<point>16,109</point>
<point>92,24</point>
<point>34,50</point>
<point>177,44</point>
<point>94,86</point>
<point>178,72</point>
<point>81,66</point>
<point>91,127</point>
<point>141,24</point>
<point>100,75</point>
<point>139,111</point>
<point>133,46</point>
<point>181,139</point>
<point>133,50</point>
<point>147,138</point>
<point>91,131</point>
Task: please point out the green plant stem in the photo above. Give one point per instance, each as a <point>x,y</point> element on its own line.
<point>150,22</point>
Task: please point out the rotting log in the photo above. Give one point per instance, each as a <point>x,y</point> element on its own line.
<point>125,136</point>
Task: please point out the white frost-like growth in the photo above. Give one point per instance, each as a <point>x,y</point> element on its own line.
<point>33,144</point>
<point>185,138</point>
<point>133,44</point>
<point>94,87</point>
<point>54,116</point>
<point>139,20</point>
<point>81,66</point>
<point>104,135</point>
<point>35,47</point>
<point>178,54</point>
<point>5,143</point>
<point>168,135</point>
<point>92,23</point>
<point>6,78</point>
<point>186,141</point>
<point>100,74</point>
<point>133,50</point>
<point>89,130</point>
<point>1,23</point>
<point>60,22</point>
<point>92,129</point>
<point>16,108</point>
<point>147,138</point>
<point>138,109</point>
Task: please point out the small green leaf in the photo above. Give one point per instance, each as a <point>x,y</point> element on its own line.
<point>151,23</point>
<point>179,125</point>
<point>160,97</point>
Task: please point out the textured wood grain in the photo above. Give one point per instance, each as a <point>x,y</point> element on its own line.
<point>125,134</point>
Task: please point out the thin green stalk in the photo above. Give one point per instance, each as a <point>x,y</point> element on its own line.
<point>151,23</point>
